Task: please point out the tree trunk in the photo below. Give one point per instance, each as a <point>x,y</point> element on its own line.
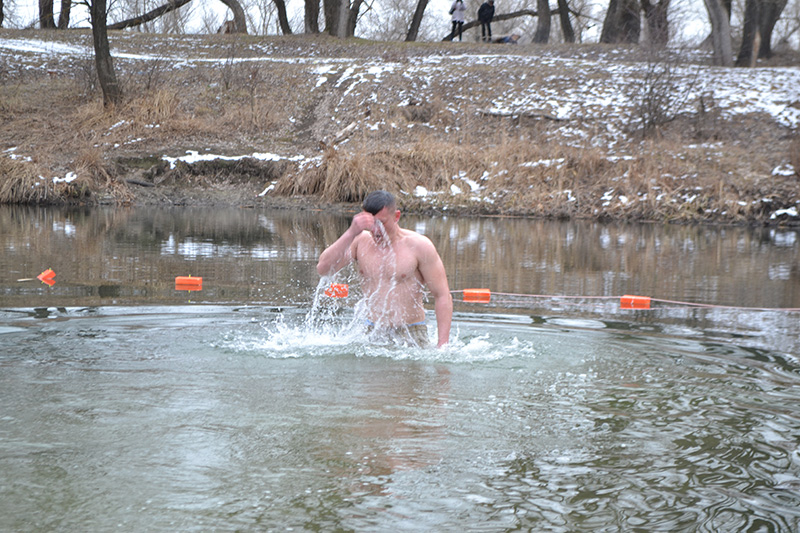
<point>657,17</point>
<point>750,35</point>
<point>311,22</point>
<point>352,17</point>
<point>610,23</point>
<point>283,18</point>
<point>63,16</point>
<point>631,22</point>
<point>566,26</point>
<point>331,10</point>
<point>770,13</point>
<point>112,94</point>
<point>542,34</point>
<point>720,32</point>
<point>239,19</point>
<point>2,16</point>
<point>343,14</point>
<point>337,17</point>
<point>416,21</point>
<point>622,23</point>
<point>46,18</point>
<point>150,15</point>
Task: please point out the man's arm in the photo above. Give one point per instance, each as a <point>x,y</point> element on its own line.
<point>435,277</point>
<point>339,254</point>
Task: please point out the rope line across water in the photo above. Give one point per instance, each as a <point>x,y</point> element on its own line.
<point>628,301</point>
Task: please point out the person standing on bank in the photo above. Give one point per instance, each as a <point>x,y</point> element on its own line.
<point>485,16</point>
<point>458,10</point>
<point>395,266</point>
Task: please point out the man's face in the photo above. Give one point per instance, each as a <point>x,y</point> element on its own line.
<point>383,218</point>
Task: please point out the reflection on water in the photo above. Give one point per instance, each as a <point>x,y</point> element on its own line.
<point>256,404</point>
<point>132,256</point>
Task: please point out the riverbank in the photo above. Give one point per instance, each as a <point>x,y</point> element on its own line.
<point>583,131</point>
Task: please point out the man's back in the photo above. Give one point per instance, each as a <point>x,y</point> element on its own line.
<point>391,276</point>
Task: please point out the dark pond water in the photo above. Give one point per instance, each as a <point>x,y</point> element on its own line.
<point>254,404</point>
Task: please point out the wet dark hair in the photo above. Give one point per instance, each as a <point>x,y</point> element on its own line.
<point>377,200</point>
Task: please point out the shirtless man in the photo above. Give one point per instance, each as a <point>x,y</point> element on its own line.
<point>395,265</point>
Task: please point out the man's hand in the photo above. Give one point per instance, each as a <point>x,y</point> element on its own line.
<point>362,221</point>
<point>338,254</point>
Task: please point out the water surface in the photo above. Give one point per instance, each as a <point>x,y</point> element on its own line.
<point>125,404</point>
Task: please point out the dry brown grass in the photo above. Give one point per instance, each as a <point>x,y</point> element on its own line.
<point>794,154</point>
<point>27,183</point>
<point>21,183</point>
<point>549,179</point>
<point>431,131</point>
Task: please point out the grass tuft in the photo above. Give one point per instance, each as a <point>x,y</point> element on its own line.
<point>22,183</point>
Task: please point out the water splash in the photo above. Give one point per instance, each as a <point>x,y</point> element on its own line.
<point>331,329</point>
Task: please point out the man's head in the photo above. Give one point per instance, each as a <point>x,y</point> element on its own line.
<point>377,200</point>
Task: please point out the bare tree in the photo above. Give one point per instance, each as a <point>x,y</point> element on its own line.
<point>751,36</point>
<point>352,17</point>
<point>283,18</point>
<point>395,22</point>
<point>46,18</point>
<point>330,8</point>
<point>311,21</point>
<point>63,16</point>
<point>416,20</point>
<point>622,23</point>
<point>657,20</point>
<point>542,34</point>
<point>566,26</point>
<point>239,19</point>
<point>150,15</point>
<point>720,32</point>
<point>771,11</point>
<point>112,93</point>
<point>341,17</point>
<point>789,25</point>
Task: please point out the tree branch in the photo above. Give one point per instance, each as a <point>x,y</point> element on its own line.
<point>147,17</point>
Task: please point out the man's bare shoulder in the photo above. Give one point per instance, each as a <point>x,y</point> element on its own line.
<point>418,242</point>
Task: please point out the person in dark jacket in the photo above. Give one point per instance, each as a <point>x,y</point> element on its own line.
<point>485,16</point>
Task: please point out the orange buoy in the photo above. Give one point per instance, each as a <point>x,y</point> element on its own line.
<point>188,283</point>
<point>47,276</point>
<point>477,295</point>
<point>337,290</point>
<point>634,302</point>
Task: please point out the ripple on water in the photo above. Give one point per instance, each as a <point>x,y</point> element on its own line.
<point>254,416</point>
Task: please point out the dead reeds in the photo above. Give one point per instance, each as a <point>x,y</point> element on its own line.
<point>518,177</point>
<point>21,183</point>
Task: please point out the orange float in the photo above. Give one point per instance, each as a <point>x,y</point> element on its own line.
<point>188,283</point>
<point>337,290</point>
<point>477,295</point>
<point>634,302</point>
